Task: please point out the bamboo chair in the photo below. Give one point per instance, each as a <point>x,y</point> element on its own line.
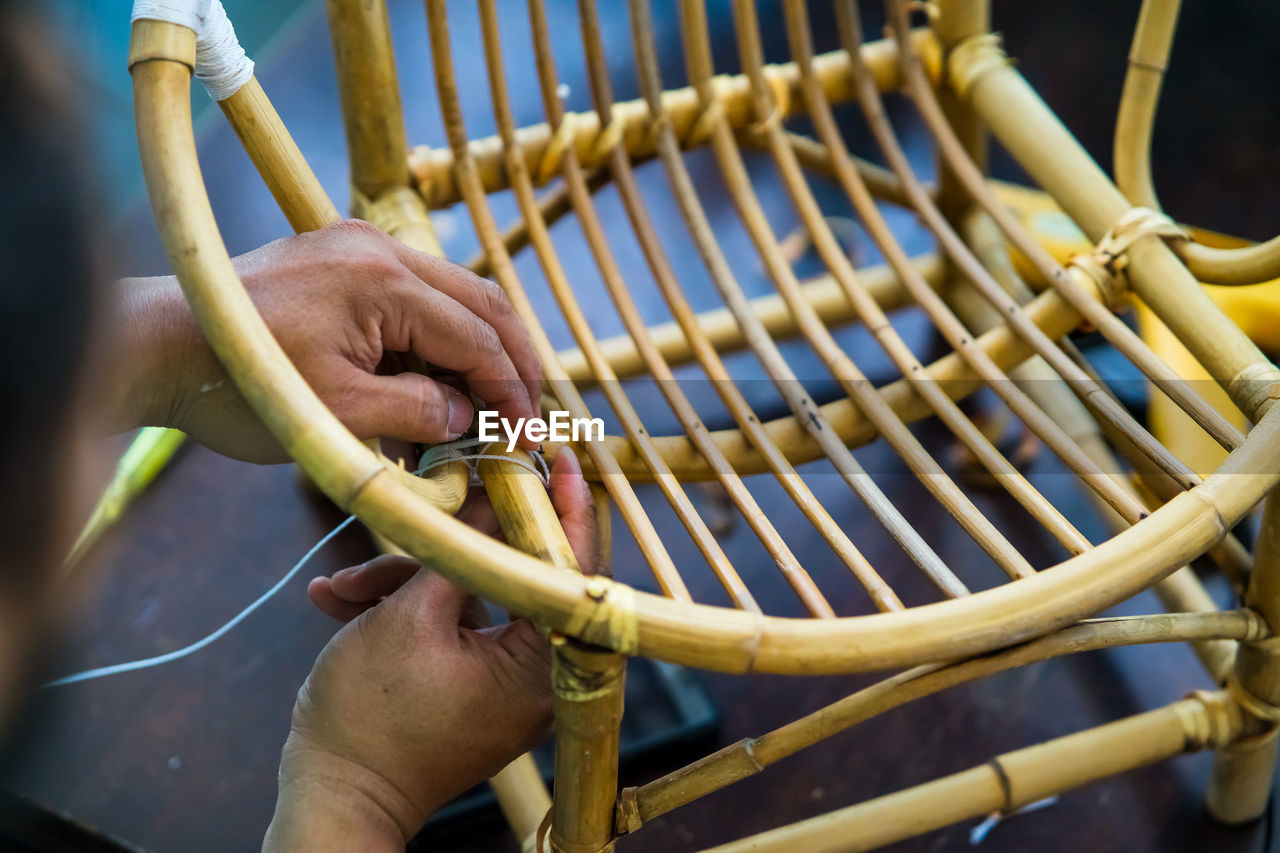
<point>1005,320</point>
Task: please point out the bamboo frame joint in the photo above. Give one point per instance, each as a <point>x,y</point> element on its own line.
<point>1249,701</point>
<point>581,672</point>
<point>1210,719</point>
<point>609,619</point>
<point>1254,389</point>
<point>972,58</point>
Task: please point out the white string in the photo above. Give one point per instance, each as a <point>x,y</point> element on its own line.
<point>439,455</point>
<point>442,454</point>
<point>221,63</point>
<point>146,663</point>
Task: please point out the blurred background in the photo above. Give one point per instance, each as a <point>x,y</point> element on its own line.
<point>183,758</point>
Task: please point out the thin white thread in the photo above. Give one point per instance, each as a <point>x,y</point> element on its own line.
<point>443,454</point>
<point>221,63</point>
<point>146,663</point>
<point>436,456</point>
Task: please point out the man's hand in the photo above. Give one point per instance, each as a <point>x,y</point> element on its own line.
<point>413,701</point>
<point>349,305</point>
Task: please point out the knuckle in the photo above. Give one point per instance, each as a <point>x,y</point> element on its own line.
<point>496,302</point>
<point>356,228</point>
<point>484,338</point>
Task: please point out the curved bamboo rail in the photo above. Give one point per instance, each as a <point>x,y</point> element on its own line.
<point>1148,59</point>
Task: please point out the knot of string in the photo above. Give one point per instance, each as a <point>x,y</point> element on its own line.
<point>1106,263</point>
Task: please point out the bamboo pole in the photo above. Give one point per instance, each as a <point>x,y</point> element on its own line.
<point>1009,781</point>
<point>752,755</point>
<point>1240,788</point>
<point>588,681</point>
<point>1038,141</point>
<point>369,91</point>
<point>957,20</point>
<point>542,150</point>
<point>306,205</point>
<point>1148,59</point>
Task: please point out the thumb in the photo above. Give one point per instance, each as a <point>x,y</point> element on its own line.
<point>407,406</point>
<point>432,602</point>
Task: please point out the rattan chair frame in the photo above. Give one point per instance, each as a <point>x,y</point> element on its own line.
<point>1003,336</point>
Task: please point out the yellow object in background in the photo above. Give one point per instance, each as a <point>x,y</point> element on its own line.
<point>146,456</point>
<point>1254,308</point>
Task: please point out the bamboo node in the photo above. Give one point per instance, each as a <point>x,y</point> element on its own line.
<point>972,58</point>
<point>627,813</point>
<point>1209,719</point>
<point>611,618</point>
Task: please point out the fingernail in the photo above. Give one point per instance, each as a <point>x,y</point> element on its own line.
<point>460,414</point>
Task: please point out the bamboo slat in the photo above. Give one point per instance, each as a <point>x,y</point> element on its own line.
<point>1009,781</point>
<point>752,755</point>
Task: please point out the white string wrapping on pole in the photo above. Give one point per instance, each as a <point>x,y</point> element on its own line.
<point>221,63</point>
<point>452,451</point>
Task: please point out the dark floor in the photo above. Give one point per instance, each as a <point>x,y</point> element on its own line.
<point>183,757</point>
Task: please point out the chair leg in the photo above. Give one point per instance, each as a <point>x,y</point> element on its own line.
<point>1240,786</point>
<point>522,796</point>
<point>588,683</point>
